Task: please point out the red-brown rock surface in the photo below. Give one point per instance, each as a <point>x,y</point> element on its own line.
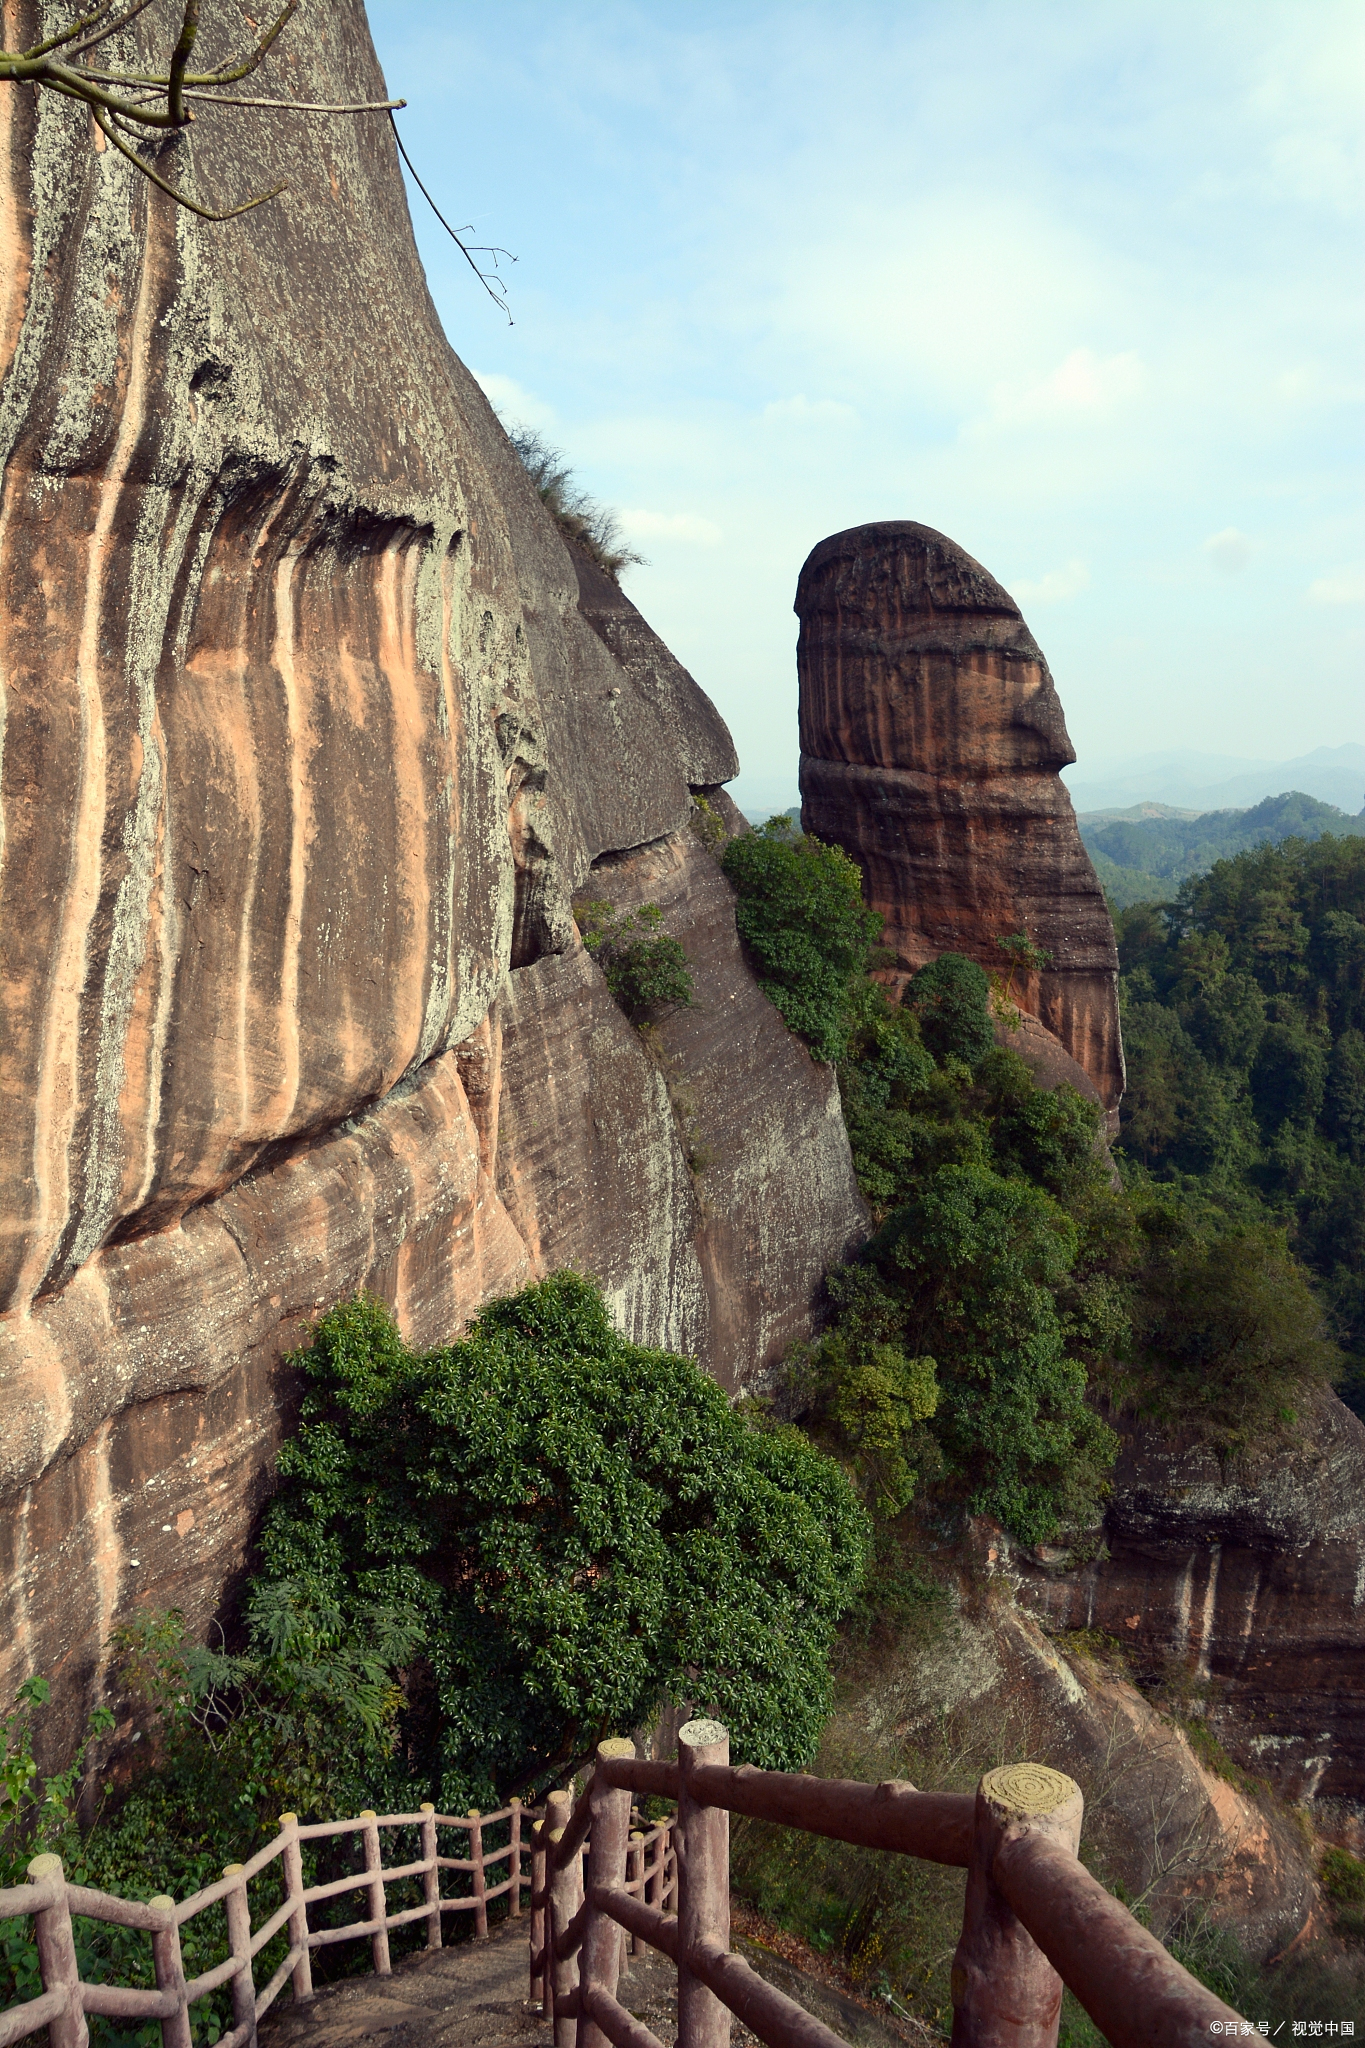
<point>307,739</point>
<point>931,740</point>
<point>1247,1585</point>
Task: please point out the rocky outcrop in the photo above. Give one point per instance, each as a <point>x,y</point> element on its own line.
<point>309,736</point>
<point>931,740</point>
<point>983,1683</point>
<point>1247,1586</point>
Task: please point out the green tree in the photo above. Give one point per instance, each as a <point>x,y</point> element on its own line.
<point>799,910</point>
<point>1289,1079</point>
<point>1232,1337</point>
<point>645,970</point>
<point>584,1525</point>
<point>951,998</point>
<point>969,1272</point>
<point>1344,1112</point>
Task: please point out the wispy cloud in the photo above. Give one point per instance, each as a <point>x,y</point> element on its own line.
<point>512,401</point>
<point>688,527</point>
<point>1083,386</point>
<point>1087,301</point>
<point>805,412</point>
<point>1056,587</point>
<point>1347,587</point>
<point>1229,551</point>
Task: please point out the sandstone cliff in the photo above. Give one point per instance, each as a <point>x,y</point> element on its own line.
<point>309,736</point>
<point>931,740</point>
<point>1249,1583</point>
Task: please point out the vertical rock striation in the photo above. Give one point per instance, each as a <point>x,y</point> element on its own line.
<point>931,740</point>
<point>308,734</point>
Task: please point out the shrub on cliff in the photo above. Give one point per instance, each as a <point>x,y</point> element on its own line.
<point>799,910</point>
<point>585,523</point>
<point>951,997</point>
<point>645,970</point>
<point>584,1526</point>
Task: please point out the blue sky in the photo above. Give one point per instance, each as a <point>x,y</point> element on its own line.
<point>1079,284</point>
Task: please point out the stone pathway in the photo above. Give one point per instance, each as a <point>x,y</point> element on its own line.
<point>475,1996</point>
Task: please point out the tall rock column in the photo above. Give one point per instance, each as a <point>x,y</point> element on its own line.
<point>931,743</point>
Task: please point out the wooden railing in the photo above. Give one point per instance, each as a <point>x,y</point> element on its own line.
<point>52,1901</point>
<point>1034,1917</point>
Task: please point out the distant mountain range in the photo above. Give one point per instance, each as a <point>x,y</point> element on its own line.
<point>1218,782</point>
<point>1144,853</point>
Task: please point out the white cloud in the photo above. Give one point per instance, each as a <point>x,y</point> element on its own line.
<point>1054,588</point>
<point>687,527</point>
<point>1229,551</point>
<point>509,399</point>
<point>802,411</point>
<point>1346,588</point>
<point>1083,384</point>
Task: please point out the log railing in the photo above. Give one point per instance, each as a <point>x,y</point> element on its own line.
<point>52,1901</point>
<point>1034,1917</point>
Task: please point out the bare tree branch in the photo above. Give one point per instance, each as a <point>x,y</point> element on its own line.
<point>104,91</point>
<point>180,198</point>
<point>493,285</point>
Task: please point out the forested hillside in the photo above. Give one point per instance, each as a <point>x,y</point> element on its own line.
<point>1244,1025</point>
<point>1143,859</point>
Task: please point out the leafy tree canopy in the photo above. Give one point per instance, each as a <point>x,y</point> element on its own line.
<point>801,915</point>
<point>584,1525</point>
<point>1243,1014</point>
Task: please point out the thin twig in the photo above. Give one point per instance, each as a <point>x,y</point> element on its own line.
<point>494,287</point>
<point>215,99</point>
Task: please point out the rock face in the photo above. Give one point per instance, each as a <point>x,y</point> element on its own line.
<point>309,736</point>
<point>931,740</point>
<point>1251,1585</point>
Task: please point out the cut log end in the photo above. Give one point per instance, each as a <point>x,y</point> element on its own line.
<point>701,1734</point>
<point>1027,1790</point>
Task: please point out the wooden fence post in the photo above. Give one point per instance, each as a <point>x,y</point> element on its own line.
<point>292,1860</point>
<point>1004,1987</point>
<point>514,1862</point>
<point>431,1879</point>
<point>635,1882</point>
<point>540,1966</point>
<point>57,1955</point>
<point>238,1909</point>
<point>379,1940</point>
<point>599,1963</point>
<point>566,1896</point>
<point>170,1976</point>
<point>703,1851</point>
<point>480,1881</point>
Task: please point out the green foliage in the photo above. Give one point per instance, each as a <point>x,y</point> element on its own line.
<point>585,524</point>
<point>303,1717</point>
<point>1244,1028</point>
<point>707,824</point>
<point>645,970</point>
<point>1342,1876</point>
<point>800,912</point>
<point>584,1525</point>
<point>1231,1337</point>
<point>972,1269</point>
<point>867,1401</point>
<point>1145,859</point>
<point>951,999</point>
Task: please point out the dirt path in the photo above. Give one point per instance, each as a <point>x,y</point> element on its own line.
<point>475,1996</point>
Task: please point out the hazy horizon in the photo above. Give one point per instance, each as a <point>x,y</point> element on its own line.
<point>1078,287</point>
